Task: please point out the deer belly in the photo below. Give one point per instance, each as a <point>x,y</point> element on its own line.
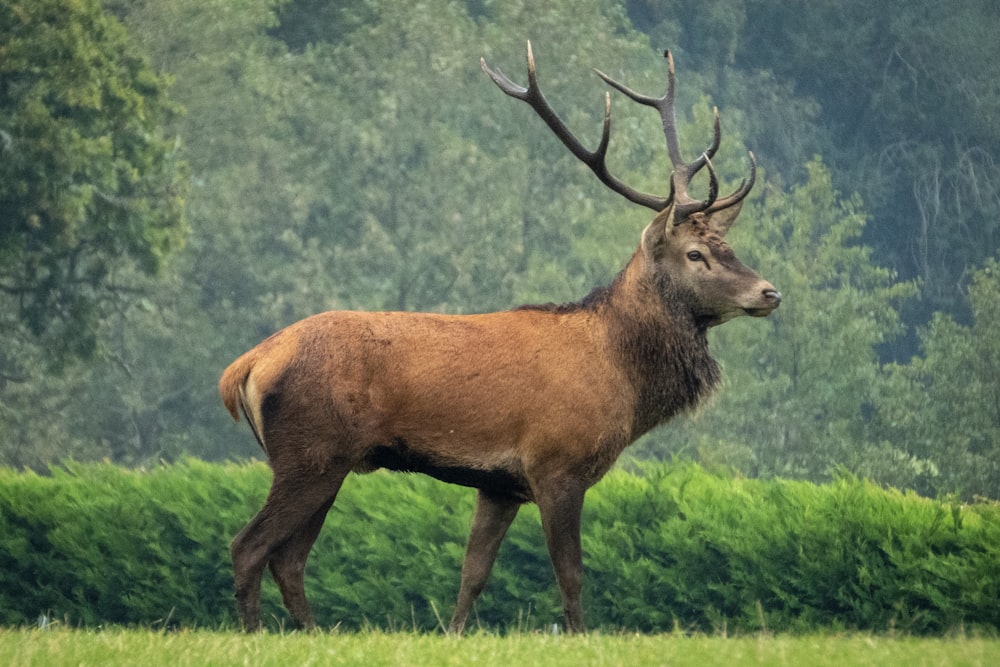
<point>398,456</point>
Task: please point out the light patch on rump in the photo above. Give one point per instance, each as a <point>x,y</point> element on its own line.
<point>250,402</point>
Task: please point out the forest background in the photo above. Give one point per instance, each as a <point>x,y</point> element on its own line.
<point>179,180</point>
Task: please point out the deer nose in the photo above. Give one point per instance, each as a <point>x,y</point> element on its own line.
<point>772,295</point>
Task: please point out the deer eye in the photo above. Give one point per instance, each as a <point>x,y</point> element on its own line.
<point>695,256</point>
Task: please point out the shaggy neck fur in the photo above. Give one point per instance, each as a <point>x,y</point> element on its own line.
<point>660,344</point>
<point>656,338</point>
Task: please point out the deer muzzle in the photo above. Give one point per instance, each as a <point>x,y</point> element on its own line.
<point>770,299</point>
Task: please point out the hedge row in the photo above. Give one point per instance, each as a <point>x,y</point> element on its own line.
<point>673,546</point>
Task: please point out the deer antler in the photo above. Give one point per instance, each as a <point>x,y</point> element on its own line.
<point>593,159</point>
<point>683,171</point>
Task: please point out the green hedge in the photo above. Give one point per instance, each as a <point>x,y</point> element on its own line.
<point>671,547</point>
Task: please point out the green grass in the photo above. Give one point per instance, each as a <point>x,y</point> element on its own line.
<point>200,648</point>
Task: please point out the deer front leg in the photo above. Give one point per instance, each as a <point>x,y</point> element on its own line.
<point>490,522</point>
<point>561,506</point>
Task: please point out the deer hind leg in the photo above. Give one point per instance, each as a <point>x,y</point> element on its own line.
<point>492,518</point>
<point>288,567</point>
<point>281,535</point>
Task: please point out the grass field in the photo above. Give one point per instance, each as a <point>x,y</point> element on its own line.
<point>56,647</point>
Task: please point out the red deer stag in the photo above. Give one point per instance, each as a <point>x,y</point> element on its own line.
<point>528,405</point>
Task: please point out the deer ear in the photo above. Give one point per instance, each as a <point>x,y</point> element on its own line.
<point>720,221</point>
<point>654,237</point>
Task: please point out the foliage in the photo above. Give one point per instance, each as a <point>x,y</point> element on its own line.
<point>469,223</point>
<point>87,179</point>
<point>945,404</point>
<point>91,203</point>
<point>713,553</point>
<point>674,547</point>
<point>106,545</point>
<point>912,116</point>
<point>147,396</point>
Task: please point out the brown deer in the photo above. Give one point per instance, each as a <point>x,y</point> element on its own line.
<point>528,405</point>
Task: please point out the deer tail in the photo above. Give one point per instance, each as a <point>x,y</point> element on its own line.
<point>233,388</point>
<point>232,382</point>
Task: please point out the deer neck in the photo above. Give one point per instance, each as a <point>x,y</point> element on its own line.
<point>659,344</point>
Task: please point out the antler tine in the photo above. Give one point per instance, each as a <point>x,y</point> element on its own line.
<point>685,171</point>
<point>665,106</point>
<point>741,192</point>
<point>595,160</point>
<point>716,134</point>
<point>682,209</point>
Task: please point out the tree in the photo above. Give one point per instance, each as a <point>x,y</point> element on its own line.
<point>151,396</point>
<point>912,115</point>
<point>91,204</point>
<point>88,184</point>
<point>944,405</point>
<point>706,31</point>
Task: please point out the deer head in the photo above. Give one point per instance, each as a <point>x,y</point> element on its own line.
<point>683,250</point>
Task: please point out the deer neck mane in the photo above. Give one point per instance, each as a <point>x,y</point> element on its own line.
<point>659,343</point>
<point>654,337</point>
